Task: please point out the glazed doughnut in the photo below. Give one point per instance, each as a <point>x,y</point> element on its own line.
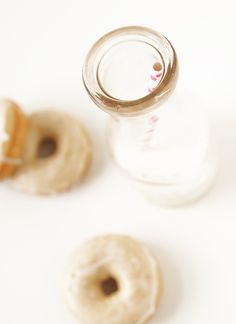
<point>112,279</point>
<point>57,154</point>
<point>13,129</point>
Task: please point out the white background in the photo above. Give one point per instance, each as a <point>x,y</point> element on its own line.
<point>42,47</point>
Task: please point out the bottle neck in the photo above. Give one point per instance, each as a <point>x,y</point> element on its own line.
<point>173,105</point>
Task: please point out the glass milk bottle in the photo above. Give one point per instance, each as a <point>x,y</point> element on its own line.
<point>154,135</point>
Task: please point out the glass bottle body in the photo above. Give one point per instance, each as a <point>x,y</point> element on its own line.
<point>169,151</point>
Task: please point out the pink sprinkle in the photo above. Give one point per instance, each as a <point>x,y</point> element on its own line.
<point>153,119</point>
<point>153,78</point>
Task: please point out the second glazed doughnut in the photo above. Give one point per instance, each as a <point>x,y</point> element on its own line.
<point>57,154</point>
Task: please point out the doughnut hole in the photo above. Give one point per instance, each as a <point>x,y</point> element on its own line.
<point>101,285</point>
<point>109,286</point>
<point>47,147</point>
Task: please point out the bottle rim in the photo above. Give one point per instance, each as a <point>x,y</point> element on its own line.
<point>130,107</point>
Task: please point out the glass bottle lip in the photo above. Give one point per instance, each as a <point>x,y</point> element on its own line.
<point>144,104</point>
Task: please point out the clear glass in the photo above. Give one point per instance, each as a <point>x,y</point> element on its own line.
<point>159,138</point>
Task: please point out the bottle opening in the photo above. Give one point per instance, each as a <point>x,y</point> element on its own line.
<point>130,70</point>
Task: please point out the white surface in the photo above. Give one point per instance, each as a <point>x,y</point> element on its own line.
<point>43,44</point>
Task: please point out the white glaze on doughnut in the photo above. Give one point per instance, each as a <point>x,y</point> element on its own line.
<point>4,136</point>
<point>72,287</point>
<point>154,293</point>
<point>133,267</point>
